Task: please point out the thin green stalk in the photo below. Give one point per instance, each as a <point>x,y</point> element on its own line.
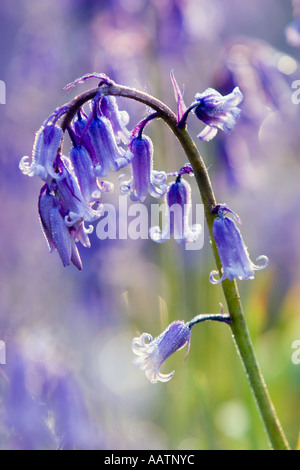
<point>238,326</point>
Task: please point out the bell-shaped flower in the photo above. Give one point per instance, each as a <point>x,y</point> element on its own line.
<point>144,179</point>
<point>152,353</point>
<point>97,136</point>
<point>217,111</point>
<point>118,119</point>
<point>57,234</point>
<point>71,199</point>
<point>233,253</point>
<point>90,187</point>
<point>178,206</point>
<point>46,144</point>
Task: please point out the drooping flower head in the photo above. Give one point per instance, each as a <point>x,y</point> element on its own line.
<point>119,119</point>
<point>152,353</point>
<point>96,134</point>
<point>90,186</point>
<point>178,206</point>
<point>144,179</point>
<point>57,233</point>
<point>233,253</point>
<point>46,144</point>
<point>217,111</point>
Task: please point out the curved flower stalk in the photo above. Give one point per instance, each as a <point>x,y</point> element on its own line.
<point>144,179</point>
<point>152,353</point>
<point>234,256</point>
<point>102,77</point>
<point>178,206</point>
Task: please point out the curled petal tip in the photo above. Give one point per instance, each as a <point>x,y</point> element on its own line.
<point>213,280</point>
<point>263,258</point>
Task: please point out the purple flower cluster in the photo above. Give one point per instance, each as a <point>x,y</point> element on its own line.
<point>70,199</point>
<point>100,144</point>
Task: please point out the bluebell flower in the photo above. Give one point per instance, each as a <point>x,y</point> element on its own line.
<point>152,353</point>
<point>97,136</point>
<point>118,119</point>
<point>57,234</point>
<point>233,253</point>
<point>90,187</point>
<point>63,213</point>
<point>144,179</point>
<point>71,199</point>
<point>45,148</point>
<point>178,206</point>
<point>217,111</point>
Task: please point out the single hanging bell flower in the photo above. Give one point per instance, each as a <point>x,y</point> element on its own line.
<point>233,253</point>
<point>144,179</point>
<point>217,111</point>
<point>90,187</point>
<point>97,136</point>
<point>57,234</point>
<point>46,144</point>
<point>119,119</point>
<point>152,353</point>
<point>178,204</point>
<point>71,199</point>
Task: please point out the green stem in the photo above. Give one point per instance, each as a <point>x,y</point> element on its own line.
<point>244,345</point>
<point>238,326</point>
